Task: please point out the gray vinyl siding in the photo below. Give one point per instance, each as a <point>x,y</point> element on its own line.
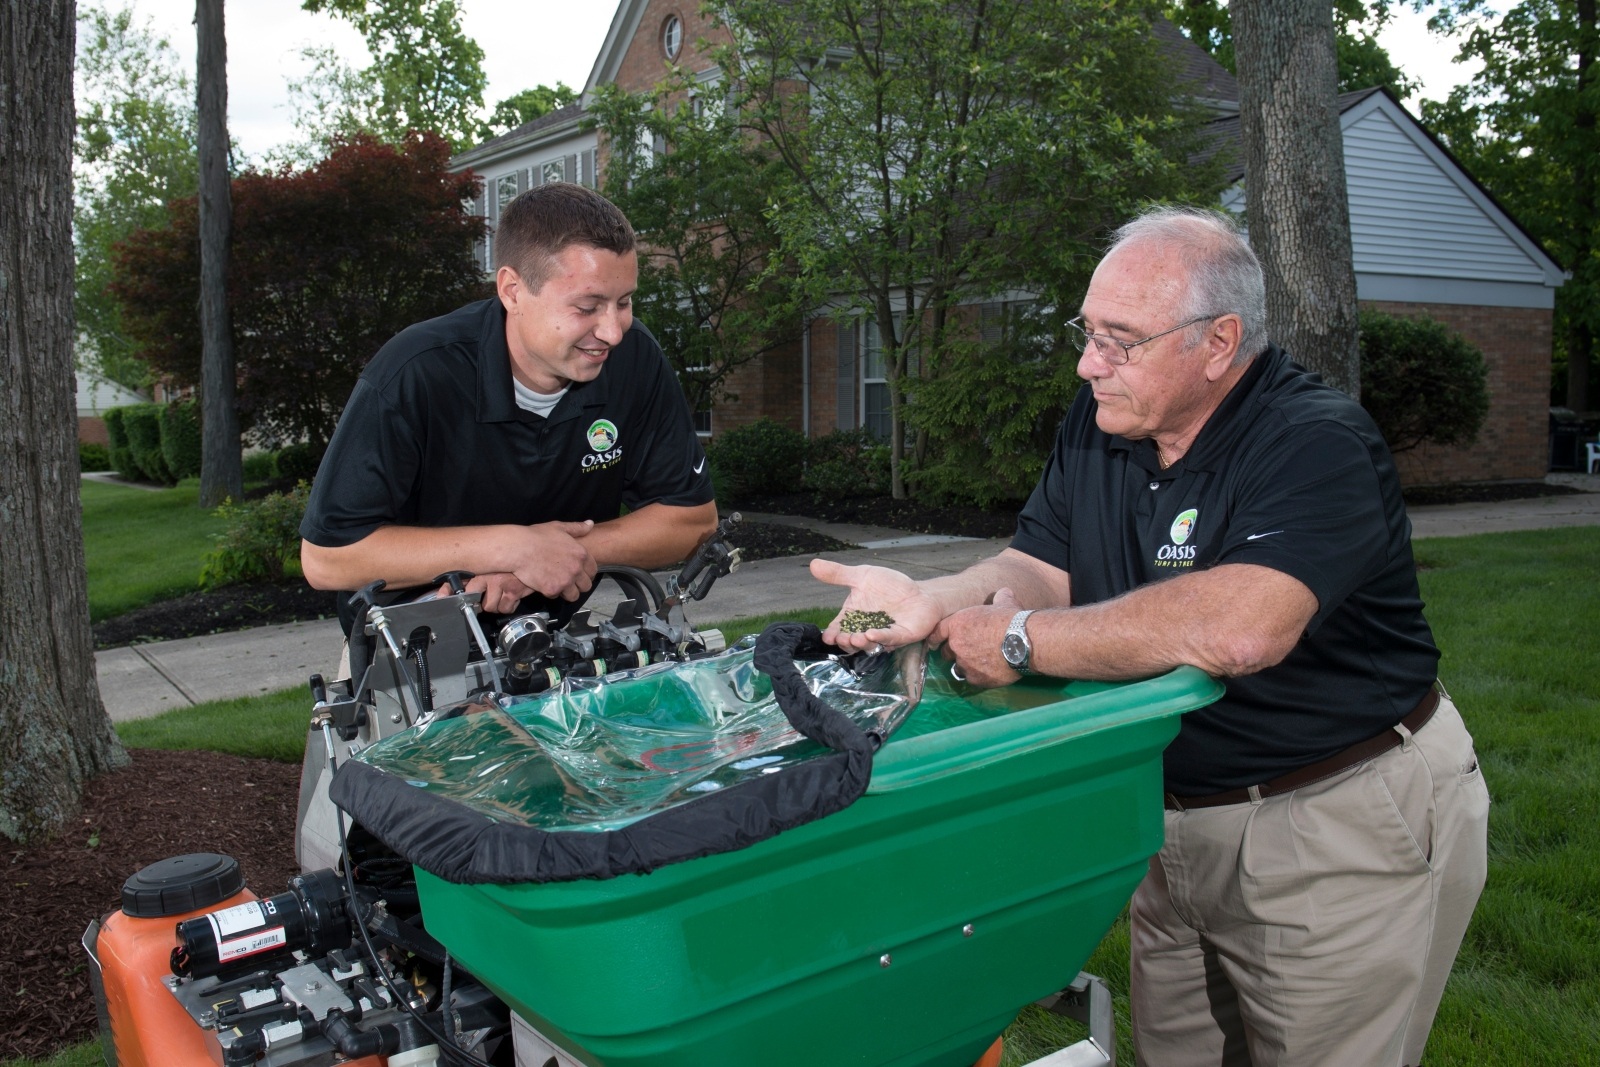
<point>1409,217</point>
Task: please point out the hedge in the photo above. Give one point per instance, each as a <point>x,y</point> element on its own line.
<point>180,438</point>
<point>143,424</point>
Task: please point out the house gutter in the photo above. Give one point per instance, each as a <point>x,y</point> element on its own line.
<point>805,376</point>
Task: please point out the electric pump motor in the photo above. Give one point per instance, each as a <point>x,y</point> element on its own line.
<point>312,916</point>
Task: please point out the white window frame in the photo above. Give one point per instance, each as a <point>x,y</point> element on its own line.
<point>695,413</point>
<point>672,37</point>
<point>871,351</point>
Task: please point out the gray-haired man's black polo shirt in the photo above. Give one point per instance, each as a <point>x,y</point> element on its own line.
<point>1288,473</point>
<point>432,436</point>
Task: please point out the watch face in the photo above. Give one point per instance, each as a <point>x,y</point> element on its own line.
<point>1015,649</point>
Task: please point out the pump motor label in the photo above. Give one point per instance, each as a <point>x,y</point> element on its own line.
<point>250,944</point>
<point>239,932</point>
<point>240,917</point>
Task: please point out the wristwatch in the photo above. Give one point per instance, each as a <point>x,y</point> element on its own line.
<point>1015,646</point>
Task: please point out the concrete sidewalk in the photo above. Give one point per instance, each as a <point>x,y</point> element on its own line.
<point>143,680</point>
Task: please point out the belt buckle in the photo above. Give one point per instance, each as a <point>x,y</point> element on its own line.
<point>1174,804</point>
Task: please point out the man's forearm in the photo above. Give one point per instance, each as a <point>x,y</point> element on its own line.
<point>1034,584</point>
<point>402,556</point>
<point>653,536</point>
<point>1229,621</point>
<point>406,556</point>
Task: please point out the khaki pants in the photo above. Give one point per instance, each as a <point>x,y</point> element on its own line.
<point>1316,927</point>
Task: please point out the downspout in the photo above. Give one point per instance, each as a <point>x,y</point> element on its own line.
<point>805,376</point>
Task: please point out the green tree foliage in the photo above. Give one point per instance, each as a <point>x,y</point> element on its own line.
<point>134,153</point>
<point>940,153</point>
<point>526,106</point>
<point>705,289</point>
<point>993,411</point>
<point>1526,128</point>
<point>1420,381</point>
<point>1363,62</point>
<point>426,74</point>
<point>328,264</point>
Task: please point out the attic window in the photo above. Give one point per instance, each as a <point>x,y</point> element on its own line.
<point>672,36</point>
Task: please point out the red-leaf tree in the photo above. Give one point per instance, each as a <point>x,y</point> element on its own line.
<point>328,264</point>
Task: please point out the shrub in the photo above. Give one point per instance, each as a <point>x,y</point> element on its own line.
<point>262,536</point>
<point>180,438</point>
<point>847,463</point>
<point>93,457</point>
<point>260,467</point>
<point>143,423</point>
<point>762,457</point>
<point>1420,381</point>
<point>117,444</point>
<point>299,461</point>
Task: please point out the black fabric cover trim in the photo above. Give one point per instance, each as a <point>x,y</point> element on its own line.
<point>453,842</point>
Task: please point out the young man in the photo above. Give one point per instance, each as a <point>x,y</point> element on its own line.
<point>1211,503</point>
<point>504,438</point>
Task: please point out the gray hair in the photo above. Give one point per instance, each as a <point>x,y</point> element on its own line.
<point>1224,274</point>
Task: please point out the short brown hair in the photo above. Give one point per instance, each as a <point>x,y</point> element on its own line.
<point>540,223</point>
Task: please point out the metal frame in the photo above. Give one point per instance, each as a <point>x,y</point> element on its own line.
<point>1089,1001</point>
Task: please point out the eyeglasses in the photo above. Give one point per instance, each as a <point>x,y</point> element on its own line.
<point>1110,349</point>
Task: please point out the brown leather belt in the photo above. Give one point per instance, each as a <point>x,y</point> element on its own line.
<point>1356,754</point>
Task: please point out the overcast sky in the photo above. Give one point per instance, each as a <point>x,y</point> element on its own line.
<point>525,43</point>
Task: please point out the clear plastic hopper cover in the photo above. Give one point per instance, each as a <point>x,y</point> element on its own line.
<point>598,754</point>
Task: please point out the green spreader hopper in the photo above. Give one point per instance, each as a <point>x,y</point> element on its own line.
<point>1000,837</point>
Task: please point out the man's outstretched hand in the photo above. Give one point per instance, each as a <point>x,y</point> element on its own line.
<point>878,589</point>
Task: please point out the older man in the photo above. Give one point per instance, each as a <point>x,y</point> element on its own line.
<point>1211,503</point>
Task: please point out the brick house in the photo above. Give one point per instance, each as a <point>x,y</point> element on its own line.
<point>1426,237</point>
<point>1428,240</point>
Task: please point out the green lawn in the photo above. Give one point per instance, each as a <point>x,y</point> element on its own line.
<point>142,545</point>
<point>1516,615</point>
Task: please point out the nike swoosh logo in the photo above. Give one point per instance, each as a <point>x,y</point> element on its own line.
<point>698,467</point>
<point>1269,533</point>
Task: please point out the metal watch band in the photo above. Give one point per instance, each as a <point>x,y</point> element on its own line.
<point>1018,630</point>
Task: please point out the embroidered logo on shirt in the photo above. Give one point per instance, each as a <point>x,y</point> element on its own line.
<point>1179,554</point>
<point>602,438</point>
<point>1183,526</point>
<point>602,435</point>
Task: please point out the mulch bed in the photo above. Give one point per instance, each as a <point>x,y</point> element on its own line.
<point>1483,492</point>
<point>164,804</point>
<point>234,607</point>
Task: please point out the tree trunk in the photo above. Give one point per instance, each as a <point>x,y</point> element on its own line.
<point>1581,333</point>
<point>54,733</point>
<point>1299,211</point>
<point>221,465</point>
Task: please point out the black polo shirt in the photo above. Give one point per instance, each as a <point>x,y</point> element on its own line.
<point>432,436</point>
<point>1288,473</point>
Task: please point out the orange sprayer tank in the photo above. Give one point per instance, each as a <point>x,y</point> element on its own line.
<point>132,948</point>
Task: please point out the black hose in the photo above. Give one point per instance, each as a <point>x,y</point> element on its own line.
<point>636,584</point>
<point>419,656</point>
<point>353,1042</point>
